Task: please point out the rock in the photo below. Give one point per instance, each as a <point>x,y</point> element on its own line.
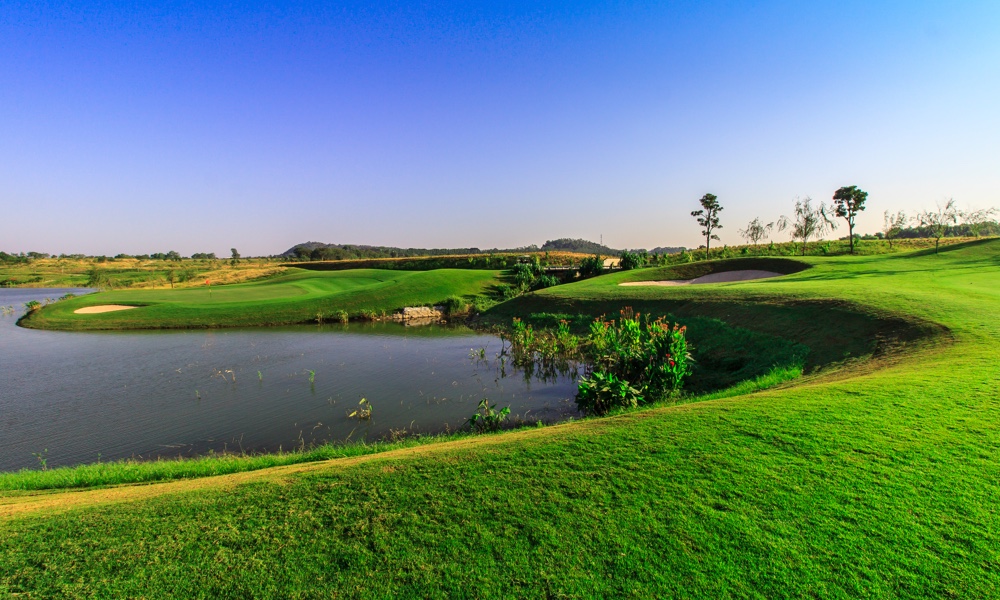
<point>418,312</point>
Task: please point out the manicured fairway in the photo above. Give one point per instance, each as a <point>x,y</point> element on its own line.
<point>878,478</point>
<point>297,297</point>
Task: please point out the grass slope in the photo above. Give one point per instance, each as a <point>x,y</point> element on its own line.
<point>296,297</point>
<point>880,479</point>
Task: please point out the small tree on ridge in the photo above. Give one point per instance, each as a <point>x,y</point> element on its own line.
<point>708,218</point>
<point>892,225</point>
<point>808,222</point>
<point>755,231</point>
<point>938,222</point>
<point>848,201</point>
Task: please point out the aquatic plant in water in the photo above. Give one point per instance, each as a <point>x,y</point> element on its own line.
<point>541,353</point>
<point>487,418</point>
<point>364,410</point>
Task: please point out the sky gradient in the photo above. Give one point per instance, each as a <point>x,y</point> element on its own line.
<point>197,127</point>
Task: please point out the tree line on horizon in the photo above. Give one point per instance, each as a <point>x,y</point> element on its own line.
<point>320,251</point>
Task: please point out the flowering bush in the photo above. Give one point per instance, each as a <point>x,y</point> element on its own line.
<point>647,354</point>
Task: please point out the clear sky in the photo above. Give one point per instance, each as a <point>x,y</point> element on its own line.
<point>144,127</point>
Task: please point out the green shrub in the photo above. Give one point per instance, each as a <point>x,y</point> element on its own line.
<point>507,291</point>
<point>481,304</point>
<point>632,260</point>
<point>591,266</point>
<point>98,278</point>
<point>454,305</point>
<point>522,275</point>
<point>545,281</point>
<point>602,392</point>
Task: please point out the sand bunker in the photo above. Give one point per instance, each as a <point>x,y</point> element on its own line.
<point>724,277</point>
<point>103,308</point>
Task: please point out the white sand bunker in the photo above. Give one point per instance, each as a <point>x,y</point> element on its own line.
<point>103,308</point>
<point>724,277</point>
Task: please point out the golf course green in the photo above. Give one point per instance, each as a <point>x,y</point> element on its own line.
<point>876,474</point>
<point>298,296</point>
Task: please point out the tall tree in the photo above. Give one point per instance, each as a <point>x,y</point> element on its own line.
<point>892,225</point>
<point>708,218</point>
<point>848,202</point>
<point>808,222</point>
<point>755,231</point>
<point>937,222</point>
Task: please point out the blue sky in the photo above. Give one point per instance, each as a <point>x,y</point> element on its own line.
<point>143,127</point>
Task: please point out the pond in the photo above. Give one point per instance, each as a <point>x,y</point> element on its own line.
<point>72,398</point>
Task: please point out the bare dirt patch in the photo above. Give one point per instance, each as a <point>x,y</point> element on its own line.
<point>103,308</point>
<point>723,277</point>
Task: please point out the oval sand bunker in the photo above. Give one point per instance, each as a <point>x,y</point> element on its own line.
<point>724,277</point>
<point>103,308</point>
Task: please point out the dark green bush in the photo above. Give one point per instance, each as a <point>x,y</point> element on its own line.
<point>602,392</point>
<point>632,260</point>
<point>454,305</point>
<point>591,266</point>
<point>545,281</point>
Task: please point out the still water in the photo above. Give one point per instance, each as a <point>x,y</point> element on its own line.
<point>82,397</point>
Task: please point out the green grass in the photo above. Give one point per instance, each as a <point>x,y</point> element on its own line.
<point>879,477</point>
<point>296,297</point>
<point>121,472</point>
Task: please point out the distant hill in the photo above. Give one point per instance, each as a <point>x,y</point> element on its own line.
<point>577,245</point>
<point>667,250</point>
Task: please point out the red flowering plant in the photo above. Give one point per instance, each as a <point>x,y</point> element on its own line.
<point>650,355</point>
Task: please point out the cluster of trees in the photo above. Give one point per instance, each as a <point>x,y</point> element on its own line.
<point>320,251</point>
<point>809,221</point>
<point>912,229</point>
<point>23,257</point>
<point>13,259</point>
<point>946,219</point>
